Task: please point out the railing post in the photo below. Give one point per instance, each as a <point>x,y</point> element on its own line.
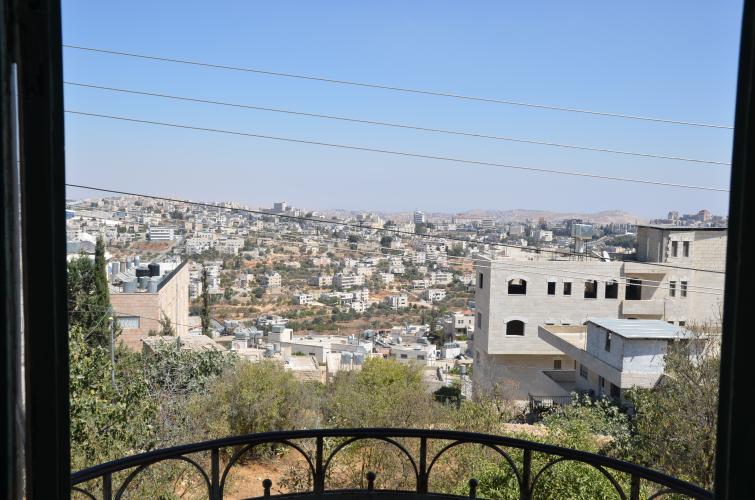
<point>634,489</point>
<point>319,479</point>
<point>422,477</point>
<point>266,485</point>
<point>473,488</point>
<point>215,474</point>
<point>107,486</point>
<point>525,492</point>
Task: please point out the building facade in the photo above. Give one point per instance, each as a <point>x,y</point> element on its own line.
<point>516,294</point>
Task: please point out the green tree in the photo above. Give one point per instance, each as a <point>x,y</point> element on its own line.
<point>88,296</point>
<point>205,314</point>
<point>675,423</point>
<point>111,413</point>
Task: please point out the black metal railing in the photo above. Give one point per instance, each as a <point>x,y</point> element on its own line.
<point>629,481</point>
<point>541,403</point>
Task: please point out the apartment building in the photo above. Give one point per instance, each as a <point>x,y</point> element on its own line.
<point>397,301</point>
<point>271,279</point>
<point>346,281</point>
<point>303,299</point>
<point>434,294</point>
<point>161,233</point>
<point>321,281</point>
<point>517,294</point>
<point>460,323</point>
<point>139,309</point>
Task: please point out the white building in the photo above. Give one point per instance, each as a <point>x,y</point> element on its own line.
<point>608,356</point>
<point>303,299</point>
<point>160,233</point>
<point>400,301</point>
<point>414,353</point>
<point>434,294</point>
<point>419,217</point>
<point>346,281</point>
<point>460,324</point>
<point>271,279</point>
<point>321,281</point>
<point>516,294</point>
<point>542,235</point>
<point>441,278</point>
<point>358,306</point>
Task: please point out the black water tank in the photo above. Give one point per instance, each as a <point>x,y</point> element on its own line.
<point>142,271</point>
<point>154,269</point>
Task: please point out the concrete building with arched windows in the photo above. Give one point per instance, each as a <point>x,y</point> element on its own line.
<point>518,292</point>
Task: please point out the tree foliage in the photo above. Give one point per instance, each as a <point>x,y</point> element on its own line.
<point>88,296</point>
<point>675,423</point>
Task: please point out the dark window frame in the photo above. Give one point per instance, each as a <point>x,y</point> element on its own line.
<point>591,289</point>
<point>35,31</point>
<point>514,323</point>
<point>516,286</point>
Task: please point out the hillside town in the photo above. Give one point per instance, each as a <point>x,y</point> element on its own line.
<point>481,303</point>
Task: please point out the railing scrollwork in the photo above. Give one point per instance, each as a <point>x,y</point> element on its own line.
<point>318,463</point>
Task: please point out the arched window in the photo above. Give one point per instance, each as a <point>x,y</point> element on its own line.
<point>517,286</point>
<point>515,327</point>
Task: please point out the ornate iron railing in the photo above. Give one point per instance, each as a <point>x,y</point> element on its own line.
<point>422,463</point>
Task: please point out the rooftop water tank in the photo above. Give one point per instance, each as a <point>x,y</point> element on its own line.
<point>154,269</point>
<point>129,286</point>
<point>142,271</point>
<point>269,350</point>
<point>143,282</point>
<point>137,261</point>
<point>115,267</point>
<point>359,358</point>
<point>346,357</point>
<point>152,285</point>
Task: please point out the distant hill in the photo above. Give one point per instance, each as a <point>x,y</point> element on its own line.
<point>515,215</point>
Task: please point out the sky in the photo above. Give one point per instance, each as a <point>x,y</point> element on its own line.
<point>670,59</point>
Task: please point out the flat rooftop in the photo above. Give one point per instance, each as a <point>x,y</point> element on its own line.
<point>641,328</point>
<point>575,335</point>
<point>672,227</point>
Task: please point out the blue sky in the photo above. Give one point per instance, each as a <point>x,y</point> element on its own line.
<point>671,59</point>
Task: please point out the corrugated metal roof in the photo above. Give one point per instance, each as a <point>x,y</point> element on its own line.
<point>641,328</point>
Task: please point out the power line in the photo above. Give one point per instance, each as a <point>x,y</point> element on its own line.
<point>358,226</point>
<point>400,89</point>
<point>398,125</point>
<point>403,153</point>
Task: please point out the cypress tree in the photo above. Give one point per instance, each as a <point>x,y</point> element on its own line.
<point>205,315</point>
<point>89,297</point>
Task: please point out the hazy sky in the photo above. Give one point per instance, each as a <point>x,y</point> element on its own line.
<point>670,59</point>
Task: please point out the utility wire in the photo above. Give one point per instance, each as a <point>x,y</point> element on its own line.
<point>399,89</point>
<point>385,230</point>
<point>405,154</point>
<point>398,125</point>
